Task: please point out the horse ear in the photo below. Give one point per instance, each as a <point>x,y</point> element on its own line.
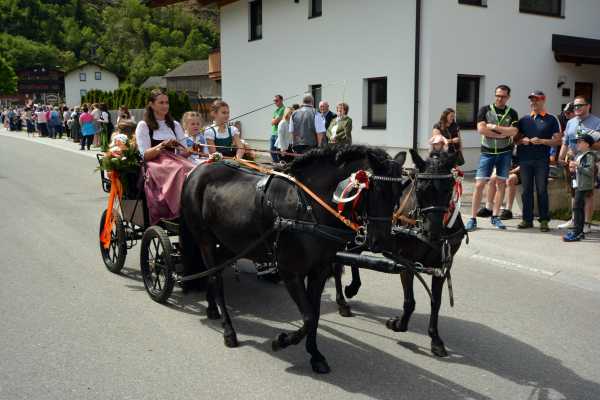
<point>417,160</point>
<point>400,158</point>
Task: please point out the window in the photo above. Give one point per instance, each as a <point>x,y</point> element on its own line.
<point>83,92</point>
<point>98,75</point>
<point>481,3</point>
<point>467,101</point>
<point>315,8</point>
<point>376,103</point>
<point>255,20</point>
<point>82,77</point>
<point>316,91</point>
<point>552,8</point>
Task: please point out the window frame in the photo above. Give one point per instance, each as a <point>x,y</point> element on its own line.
<point>84,76</point>
<point>311,9</point>
<point>316,90</point>
<point>370,124</point>
<point>476,3</point>
<point>561,12</point>
<point>254,21</point>
<point>477,79</point>
<point>98,75</point>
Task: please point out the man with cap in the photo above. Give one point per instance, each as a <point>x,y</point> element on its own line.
<point>538,131</point>
<point>584,167</point>
<point>582,122</point>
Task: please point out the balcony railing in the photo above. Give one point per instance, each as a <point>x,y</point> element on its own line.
<point>214,65</point>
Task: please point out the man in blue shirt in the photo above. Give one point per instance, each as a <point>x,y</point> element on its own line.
<point>585,123</point>
<point>537,132</point>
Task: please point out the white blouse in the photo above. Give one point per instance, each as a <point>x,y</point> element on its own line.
<point>142,135</point>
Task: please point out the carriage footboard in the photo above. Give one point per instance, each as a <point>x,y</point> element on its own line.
<point>384,264</point>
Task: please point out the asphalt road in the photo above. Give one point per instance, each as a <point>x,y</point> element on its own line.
<point>69,329</point>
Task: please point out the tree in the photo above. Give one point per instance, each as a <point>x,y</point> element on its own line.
<point>8,78</point>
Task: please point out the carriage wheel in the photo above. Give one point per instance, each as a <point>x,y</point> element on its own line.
<point>114,256</point>
<point>156,264</point>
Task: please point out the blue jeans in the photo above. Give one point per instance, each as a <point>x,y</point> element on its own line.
<point>535,172</point>
<point>274,156</point>
<point>487,162</point>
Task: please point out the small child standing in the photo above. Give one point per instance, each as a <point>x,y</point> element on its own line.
<point>584,168</point>
<point>192,124</point>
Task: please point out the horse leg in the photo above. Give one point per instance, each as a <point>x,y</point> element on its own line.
<point>437,345</point>
<point>316,284</point>
<point>352,289</point>
<point>401,324</point>
<point>215,294</point>
<point>343,307</point>
<point>295,287</point>
<point>229,335</point>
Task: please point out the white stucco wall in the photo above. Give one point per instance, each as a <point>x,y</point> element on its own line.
<point>356,39</point>
<point>352,41</point>
<point>73,85</point>
<point>505,47</point>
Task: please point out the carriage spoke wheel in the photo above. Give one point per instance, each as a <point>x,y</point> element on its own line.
<point>157,264</point>
<point>114,255</point>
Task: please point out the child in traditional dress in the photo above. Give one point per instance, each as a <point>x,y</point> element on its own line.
<point>192,124</point>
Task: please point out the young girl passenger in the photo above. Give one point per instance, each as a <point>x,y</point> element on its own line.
<point>221,137</point>
<point>192,123</point>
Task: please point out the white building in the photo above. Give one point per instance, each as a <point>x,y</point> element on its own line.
<point>393,59</point>
<point>86,77</point>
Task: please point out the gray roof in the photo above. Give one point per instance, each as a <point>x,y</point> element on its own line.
<point>154,82</point>
<point>189,68</point>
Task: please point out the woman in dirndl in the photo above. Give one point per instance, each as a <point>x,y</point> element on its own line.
<point>161,142</point>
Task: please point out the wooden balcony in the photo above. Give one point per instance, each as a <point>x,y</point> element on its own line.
<point>214,65</point>
<point>162,3</point>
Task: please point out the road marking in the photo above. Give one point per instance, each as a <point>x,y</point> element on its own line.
<point>512,265</point>
<point>44,142</point>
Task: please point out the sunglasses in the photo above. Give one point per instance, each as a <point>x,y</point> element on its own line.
<point>576,106</point>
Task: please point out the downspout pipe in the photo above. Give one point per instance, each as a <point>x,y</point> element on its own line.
<point>415,141</point>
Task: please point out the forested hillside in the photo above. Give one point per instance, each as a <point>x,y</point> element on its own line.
<point>127,37</point>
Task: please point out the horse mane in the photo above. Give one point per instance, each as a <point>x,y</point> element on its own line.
<point>338,154</point>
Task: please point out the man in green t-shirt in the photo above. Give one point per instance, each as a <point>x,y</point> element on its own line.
<point>277,117</point>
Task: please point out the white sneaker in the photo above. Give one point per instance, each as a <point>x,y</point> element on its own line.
<point>567,225</point>
<point>587,228</point>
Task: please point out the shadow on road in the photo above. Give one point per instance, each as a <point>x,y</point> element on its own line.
<point>359,367</point>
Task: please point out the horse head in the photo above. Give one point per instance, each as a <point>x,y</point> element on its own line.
<point>434,187</point>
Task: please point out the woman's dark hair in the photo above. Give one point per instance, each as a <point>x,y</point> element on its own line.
<point>125,111</point>
<point>444,118</point>
<point>149,117</point>
<point>85,108</point>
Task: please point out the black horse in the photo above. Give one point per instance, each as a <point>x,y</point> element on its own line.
<point>225,208</point>
<point>431,198</point>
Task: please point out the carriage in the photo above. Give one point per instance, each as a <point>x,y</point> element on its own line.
<point>160,255</point>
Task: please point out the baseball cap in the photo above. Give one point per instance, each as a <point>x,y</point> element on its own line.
<point>538,94</point>
<point>587,138</point>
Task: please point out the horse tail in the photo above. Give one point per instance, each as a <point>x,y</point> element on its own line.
<point>191,257</point>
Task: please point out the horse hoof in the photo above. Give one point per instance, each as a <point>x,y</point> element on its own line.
<point>320,367</point>
<point>350,291</point>
<point>394,324</point>
<point>439,350</point>
<point>212,313</point>
<point>231,340</point>
<point>345,311</point>
<point>280,342</point>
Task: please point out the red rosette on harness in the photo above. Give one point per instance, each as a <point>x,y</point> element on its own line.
<point>456,200</point>
<point>350,190</point>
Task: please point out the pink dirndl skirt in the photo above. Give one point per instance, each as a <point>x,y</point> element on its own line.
<point>164,180</point>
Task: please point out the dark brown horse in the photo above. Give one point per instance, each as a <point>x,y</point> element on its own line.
<point>225,208</point>
<point>429,203</point>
